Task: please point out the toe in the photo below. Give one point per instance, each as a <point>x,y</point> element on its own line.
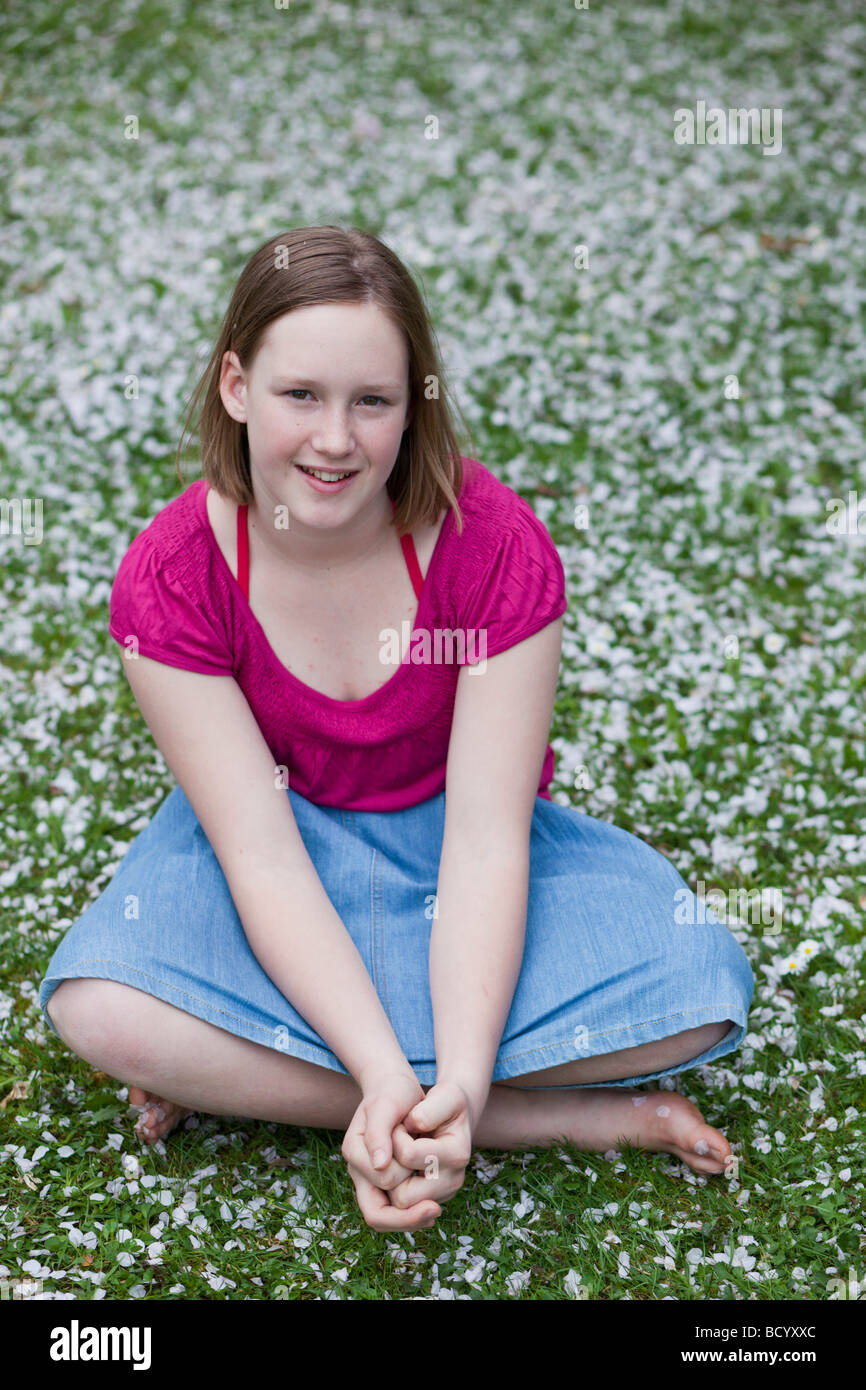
<point>705,1149</point>
<point>710,1143</point>
<point>161,1117</point>
<point>693,1141</point>
<point>157,1117</point>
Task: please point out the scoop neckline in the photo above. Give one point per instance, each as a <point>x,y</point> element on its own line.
<point>309,690</point>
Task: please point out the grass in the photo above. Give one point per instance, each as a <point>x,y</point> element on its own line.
<point>712,685</point>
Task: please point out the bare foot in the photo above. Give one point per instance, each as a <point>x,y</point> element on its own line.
<point>599,1118</point>
<point>158,1117</point>
<point>668,1121</point>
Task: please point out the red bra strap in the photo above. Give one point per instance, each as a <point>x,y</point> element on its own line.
<point>243,552</point>
<point>411,557</point>
<point>406,542</point>
<point>412,564</point>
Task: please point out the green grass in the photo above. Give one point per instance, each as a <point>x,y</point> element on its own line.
<point>603,386</point>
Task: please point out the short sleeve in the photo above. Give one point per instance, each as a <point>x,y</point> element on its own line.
<point>149,604</point>
<point>522,590</point>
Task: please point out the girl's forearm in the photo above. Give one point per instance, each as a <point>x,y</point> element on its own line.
<point>299,940</point>
<point>476,951</point>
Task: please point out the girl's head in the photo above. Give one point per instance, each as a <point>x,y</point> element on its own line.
<point>335,308</point>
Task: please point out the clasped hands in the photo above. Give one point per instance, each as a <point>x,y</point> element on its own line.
<point>407,1152</point>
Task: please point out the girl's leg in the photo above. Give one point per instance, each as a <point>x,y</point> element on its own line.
<point>149,1044</point>
<point>153,1046</point>
<point>630,1061</point>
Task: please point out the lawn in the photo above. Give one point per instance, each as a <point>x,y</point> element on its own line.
<point>680,403</point>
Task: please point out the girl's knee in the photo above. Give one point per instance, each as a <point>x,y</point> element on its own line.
<point>70,1002</point>
<point>709,1034</point>
<point>94,1016</point>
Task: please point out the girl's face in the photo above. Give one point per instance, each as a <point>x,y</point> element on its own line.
<point>328,390</point>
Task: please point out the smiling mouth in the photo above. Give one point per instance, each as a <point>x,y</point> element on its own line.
<point>324,476</point>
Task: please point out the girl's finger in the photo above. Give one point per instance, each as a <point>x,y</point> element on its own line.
<point>356,1152</point>
<point>441,1104</point>
<point>381,1116</point>
<point>408,1150</point>
<point>380,1215</point>
<point>424,1153</point>
<point>357,1156</point>
<point>419,1188</point>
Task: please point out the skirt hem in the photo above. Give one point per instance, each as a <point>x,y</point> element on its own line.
<point>560,1053</point>
<point>506,1068</point>
<point>199,1008</point>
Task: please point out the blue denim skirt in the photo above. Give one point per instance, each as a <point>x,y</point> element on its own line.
<point>618,950</point>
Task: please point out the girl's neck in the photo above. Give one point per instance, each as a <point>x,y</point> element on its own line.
<point>320,552</point>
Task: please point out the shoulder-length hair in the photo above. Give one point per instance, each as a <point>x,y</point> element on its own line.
<point>332,265</point>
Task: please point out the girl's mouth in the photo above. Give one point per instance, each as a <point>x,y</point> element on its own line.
<point>327,480</point>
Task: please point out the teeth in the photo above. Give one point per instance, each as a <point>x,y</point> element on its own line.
<point>325,477</point>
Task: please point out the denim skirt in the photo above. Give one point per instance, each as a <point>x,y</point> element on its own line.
<point>618,950</point>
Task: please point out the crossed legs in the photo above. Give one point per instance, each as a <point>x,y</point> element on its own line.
<point>162,1051</point>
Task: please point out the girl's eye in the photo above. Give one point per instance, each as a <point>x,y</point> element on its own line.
<point>298,391</point>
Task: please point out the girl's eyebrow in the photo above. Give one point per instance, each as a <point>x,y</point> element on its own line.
<point>306,382</point>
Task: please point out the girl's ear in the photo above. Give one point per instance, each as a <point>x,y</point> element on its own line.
<point>231,376</point>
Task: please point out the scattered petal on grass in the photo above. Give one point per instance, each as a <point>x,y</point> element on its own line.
<point>682,414</point>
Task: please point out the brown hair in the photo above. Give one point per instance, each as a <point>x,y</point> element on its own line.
<point>331,265</point>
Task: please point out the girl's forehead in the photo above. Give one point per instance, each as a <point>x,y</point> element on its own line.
<point>366,316</point>
<point>324,334</point>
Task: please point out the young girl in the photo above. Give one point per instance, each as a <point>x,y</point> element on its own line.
<point>359,908</point>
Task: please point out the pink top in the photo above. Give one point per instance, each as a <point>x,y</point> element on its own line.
<point>501,580</point>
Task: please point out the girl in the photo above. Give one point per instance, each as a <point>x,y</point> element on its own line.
<point>359,907</point>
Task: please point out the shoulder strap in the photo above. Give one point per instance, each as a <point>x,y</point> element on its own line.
<point>243,552</point>
<point>411,557</point>
<point>243,547</point>
<point>412,564</point>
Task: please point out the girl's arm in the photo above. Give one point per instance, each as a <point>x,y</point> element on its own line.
<point>476,949</point>
<point>499,735</point>
<point>207,734</point>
